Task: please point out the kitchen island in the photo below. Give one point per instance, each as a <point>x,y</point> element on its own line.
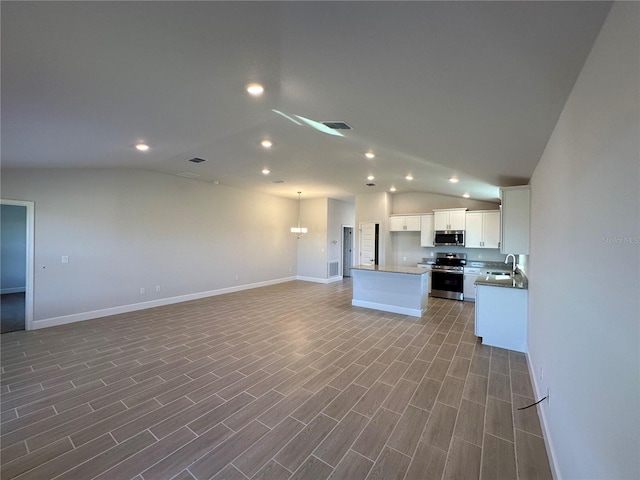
<point>403,290</point>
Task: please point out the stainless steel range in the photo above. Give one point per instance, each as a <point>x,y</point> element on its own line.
<point>447,275</point>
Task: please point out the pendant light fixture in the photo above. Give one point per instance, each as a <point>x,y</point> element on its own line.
<point>298,231</point>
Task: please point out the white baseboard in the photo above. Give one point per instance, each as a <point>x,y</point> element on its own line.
<point>548,442</point>
<point>5,291</point>
<point>105,312</point>
<point>319,280</point>
<point>414,312</point>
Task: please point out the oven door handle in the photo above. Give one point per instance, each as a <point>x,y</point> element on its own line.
<point>448,272</point>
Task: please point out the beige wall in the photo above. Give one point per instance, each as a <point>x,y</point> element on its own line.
<point>584,272</point>
<point>126,229</point>
<point>420,202</point>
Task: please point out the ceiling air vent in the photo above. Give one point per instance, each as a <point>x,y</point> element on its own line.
<point>370,184</point>
<point>278,181</point>
<point>197,160</point>
<point>337,125</point>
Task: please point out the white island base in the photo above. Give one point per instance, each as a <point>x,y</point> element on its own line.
<point>403,290</point>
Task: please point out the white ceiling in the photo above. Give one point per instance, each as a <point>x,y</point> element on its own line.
<point>435,89</point>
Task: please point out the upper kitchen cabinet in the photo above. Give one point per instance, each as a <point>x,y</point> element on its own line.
<point>426,230</point>
<point>515,219</point>
<point>404,223</point>
<point>450,219</point>
<point>483,229</point>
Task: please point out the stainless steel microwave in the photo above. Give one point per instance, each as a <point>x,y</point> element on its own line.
<point>449,237</point>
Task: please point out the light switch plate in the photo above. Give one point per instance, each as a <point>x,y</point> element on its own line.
<point>65,259</point>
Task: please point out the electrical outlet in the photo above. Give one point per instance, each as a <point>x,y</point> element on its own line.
<point>157,288</point>
<point>404,259</point>
<point>65,259</point>
<point>541,377</point>
<point>237,277</point>
<point>548,397</point>
<point>143,291</point>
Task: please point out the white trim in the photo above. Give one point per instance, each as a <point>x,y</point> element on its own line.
<point>319,280</point>
<point>5,291</point>
<point>30,248</point>
<point>548,443</point>
<point>79,317</point>
<point>414,312</point>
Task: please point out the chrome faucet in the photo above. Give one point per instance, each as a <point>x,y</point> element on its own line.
<point>513,266</point>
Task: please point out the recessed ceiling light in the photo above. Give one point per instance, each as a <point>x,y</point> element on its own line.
<point>143,147</point>
<point>454,180</point>
<point>370,155</point>
<point>392,189</point>
<point>466,195</point>
<point>266,143</point>
<point>255,89</point>
<point>370,177</point>
<point>266,171</point>
<point>409,177</point>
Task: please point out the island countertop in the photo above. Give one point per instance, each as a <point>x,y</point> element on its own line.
<point>392,269</point>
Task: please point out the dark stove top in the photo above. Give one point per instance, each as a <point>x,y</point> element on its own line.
<point>450,261</point>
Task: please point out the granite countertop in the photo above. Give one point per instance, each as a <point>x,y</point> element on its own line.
<point>519,280</point>
<point>497,266</point>
<point>392,269</point>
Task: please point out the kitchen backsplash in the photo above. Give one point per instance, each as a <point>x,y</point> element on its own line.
<point>406,250</point>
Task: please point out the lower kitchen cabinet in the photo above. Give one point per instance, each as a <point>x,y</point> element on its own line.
<point>501,317</point>
<point>469,288</point>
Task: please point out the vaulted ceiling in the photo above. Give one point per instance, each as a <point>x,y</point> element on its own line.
<point>436,90</point>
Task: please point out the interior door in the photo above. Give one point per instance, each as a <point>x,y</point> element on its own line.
<point>369,243</point>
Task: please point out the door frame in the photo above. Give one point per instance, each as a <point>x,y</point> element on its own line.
<point>30,243</point>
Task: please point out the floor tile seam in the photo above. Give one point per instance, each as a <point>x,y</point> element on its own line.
<point>307,459</point>
<point>230,462</point>
<point>38,378</point>
<point>516,429</point>
<point>497,398</point>
<point>448,459</point>
<point>77,464</point>
<point>275,454</point>
<point>52,396</point>
<point>4,399</point>
<point>275,461</point>
<point>71,420</point>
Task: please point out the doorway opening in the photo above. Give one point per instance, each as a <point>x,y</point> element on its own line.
<point>347,250</point>
<point>16,265</point>
<point>369,243</point>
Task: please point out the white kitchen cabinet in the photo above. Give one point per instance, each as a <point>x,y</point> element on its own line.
<point>404,223</point>
<point>468,287</point>
<point>427,267</point>
<point>449,219</point>
<point>426,230</point>
<point>482,229</point>
<point>515,219</point>
<point>501,317</point>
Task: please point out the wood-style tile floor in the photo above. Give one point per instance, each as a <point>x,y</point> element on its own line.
<point>285,381</point>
